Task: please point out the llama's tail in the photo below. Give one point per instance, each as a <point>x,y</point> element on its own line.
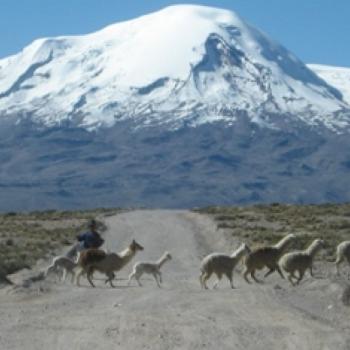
<point>4,278</point>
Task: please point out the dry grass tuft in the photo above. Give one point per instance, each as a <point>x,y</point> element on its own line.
<point>27,237</point>
<point>267,224</point>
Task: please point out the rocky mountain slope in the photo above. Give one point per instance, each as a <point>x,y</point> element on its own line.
<point>182,65</point>
<point>187,106</point>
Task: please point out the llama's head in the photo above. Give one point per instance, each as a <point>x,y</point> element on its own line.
<point>291,237</point>
<point>315,246</point>
<point>286,241</point>
<point>245,248</point>
<point>319,243</point>
<point>167,256</point>
<point>134,246</point>
<point>241,251</point>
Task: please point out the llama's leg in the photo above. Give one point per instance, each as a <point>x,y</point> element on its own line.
<point>77,279</point>
<point>56,272</point>
<point>111,276</point>
<point>339,260</point>
<point>72,276</point>
<point>138,280</point>
<point>156,278</point>
<point>108,279</point>
<point>201,280</point>
<point>271,270</point>
<point>245,275</point>
<point>88,276</point>
<point>301,275</point>
<point>111,284</point>
<point>292,274</point>
<point>205,279</point>
<point>137,276</point>
<point>311,272</point>
<point>254,278</point>
<point>160,277</point>
<point>229,275</point>
<point>219,276</point>
<point>279,271</point>
<point>131,276</point>
<point>64,275</point>
<point>59,273</point>
<point>290,279</point>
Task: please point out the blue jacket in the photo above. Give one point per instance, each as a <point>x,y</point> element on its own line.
<point>90,239</point>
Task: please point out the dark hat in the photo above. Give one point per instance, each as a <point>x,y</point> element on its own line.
<point>92,223</point>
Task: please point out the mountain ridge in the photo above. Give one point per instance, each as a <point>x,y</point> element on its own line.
<point>182,65</point>
<point>239,120</point>
<point>339,77</point>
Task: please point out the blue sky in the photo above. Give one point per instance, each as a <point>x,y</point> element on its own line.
<point>318,31</point>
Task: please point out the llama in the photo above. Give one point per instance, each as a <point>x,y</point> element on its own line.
<point>221,264</point>
<point>343,253</point>
<point>74,251</point>
<point>62,264</point>
<point>300,261</point>
<point>152,268</point>
<point>91,260</point>
<point>266,257</point>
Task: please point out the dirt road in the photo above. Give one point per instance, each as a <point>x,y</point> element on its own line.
<point>273,315</point>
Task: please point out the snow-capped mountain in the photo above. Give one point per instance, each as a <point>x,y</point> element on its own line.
<point>183,65</point>
<point>188,106</point>
<point>339,77</point>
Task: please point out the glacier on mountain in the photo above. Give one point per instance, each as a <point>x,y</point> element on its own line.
<point>339,77</point>
<point>183,65</point>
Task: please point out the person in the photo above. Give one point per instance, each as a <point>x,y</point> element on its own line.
<point>91,238</point>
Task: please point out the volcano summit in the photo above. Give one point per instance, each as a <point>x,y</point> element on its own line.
<point>186,106</point>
